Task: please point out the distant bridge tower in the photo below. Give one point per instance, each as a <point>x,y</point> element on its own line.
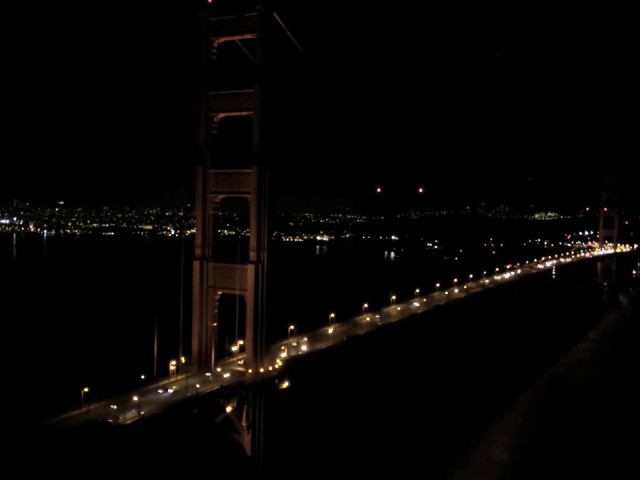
<point>609,215</point>
<point>608,231</point>
<point>221,178</point>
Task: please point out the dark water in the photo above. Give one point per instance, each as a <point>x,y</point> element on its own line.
<point>82,311</point>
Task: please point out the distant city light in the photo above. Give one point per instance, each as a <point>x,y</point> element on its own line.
<point>379,190</point>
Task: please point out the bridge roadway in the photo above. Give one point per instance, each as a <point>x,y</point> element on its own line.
<point>165,392</point>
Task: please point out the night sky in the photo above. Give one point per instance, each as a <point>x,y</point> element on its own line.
<point>99,101</point>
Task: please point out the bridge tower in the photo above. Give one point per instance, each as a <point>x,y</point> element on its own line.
<point>608,231</point>
<point>609,215</point>
<point>219,178</point>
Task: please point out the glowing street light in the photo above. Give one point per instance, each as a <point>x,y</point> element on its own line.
<point>82,392</point>
<point>284,385</point>
<point>173,366</point>
<point>332,319</point>
<point>417,291</point>
<point>290,329</point>
<point>365,306</point>
<point>236,348</point>
<point>393,299</point>
<point>138,402</point>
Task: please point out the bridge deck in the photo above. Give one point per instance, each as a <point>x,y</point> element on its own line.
<point>160,395</point>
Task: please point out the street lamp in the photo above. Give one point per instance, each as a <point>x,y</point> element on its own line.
<point>364,307</point>
<point>82,392</point>
<point>173,365</point>
<point>332,318</point>
<point>290,329</point>
<point>185,371</point>
<point>393,299</point>
<point>138,402</point>
<point>417,291</point>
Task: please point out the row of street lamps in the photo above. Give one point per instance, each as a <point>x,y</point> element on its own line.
<point>365,306</point>
<point>173,364</point>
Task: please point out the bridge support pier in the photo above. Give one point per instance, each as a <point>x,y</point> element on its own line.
<point>253,425</point>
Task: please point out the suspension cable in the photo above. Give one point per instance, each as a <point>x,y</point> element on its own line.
<point>291,37</point>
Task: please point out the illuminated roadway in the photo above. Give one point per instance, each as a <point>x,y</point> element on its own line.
<point>161,394</point>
